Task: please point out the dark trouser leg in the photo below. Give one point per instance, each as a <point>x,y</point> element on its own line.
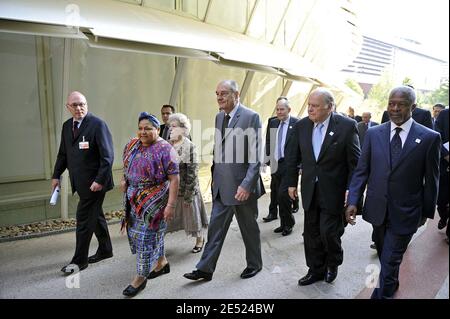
<point>393,249</point>
<point>221,217</point>
<point>285,205</point>
<point>314,248</point>
<point>88,214</point>
<point>331,231</point>
<point>442,202</point>
<point>273,207</point>
<point>295,204</point>
<point>246,216</point>
<point>102,234</point>
<point>378,234</point>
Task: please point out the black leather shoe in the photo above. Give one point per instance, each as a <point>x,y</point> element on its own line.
<point>287,231</point>
<point>96,258</point>
<point>309,279</point>
<point>73,268</point>
<point>198,274</point>
<point>442,223</point>
<point>331,274</point>
<point>269,218</point>
<point>162,271</point>
<point>278,229</point>
<point>130,291</point>
<point>294,210</point>
<point>249,272</point>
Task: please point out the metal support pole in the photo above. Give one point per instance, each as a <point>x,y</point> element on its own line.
<point>65,91</point>
<point>247,81</point>
<point>179,73</point>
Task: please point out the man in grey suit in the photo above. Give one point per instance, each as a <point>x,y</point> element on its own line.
<point>236,182</point>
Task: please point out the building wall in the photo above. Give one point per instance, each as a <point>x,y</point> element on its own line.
<point>118,85</point>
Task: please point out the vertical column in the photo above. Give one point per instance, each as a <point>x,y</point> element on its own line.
<point>65,91</point>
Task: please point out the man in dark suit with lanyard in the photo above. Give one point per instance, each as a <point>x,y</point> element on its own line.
<point>279,131</point>
<point>327,146</point>
<point>399,164</point>
<point>86,150</point>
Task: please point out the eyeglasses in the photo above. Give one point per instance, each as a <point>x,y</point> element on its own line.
<point>74,105</point>
<point>223,93</point>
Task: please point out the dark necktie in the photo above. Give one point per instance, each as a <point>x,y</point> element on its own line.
<point>165,134</point>
<point>396,147</point>
<point>226,120</point>
<point>280,141</point>
<point>75,130</point>
<point>225,125</point>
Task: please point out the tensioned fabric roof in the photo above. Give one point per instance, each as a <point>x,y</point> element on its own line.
<point>123,26</point>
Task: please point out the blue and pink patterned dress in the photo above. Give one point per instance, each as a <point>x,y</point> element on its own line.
<point>146,170</point>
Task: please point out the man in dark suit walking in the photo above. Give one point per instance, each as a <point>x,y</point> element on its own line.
<point>437,108</point>
<point>279,131</point>
<point>236,182</point>
<point>419,115</point>
<point>400,166</point>
<point>364,125</point>
<point>86,150</point>
<point>442,203</point>
<point>327,146</point>
<point>164,130</point>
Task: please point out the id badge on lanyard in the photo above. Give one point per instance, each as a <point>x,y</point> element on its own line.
<point>84,145</point>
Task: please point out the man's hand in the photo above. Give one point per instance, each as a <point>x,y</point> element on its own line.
<point>293,192</point>
<point>96,187</point>
<point>350,214</point>
<point>55,182</point>
<point>241,194</point>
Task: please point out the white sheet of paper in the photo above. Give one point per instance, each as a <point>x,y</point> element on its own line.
<point>55,195</point>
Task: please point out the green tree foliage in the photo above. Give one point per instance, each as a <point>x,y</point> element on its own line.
<point>407,81</point>
<point>352,84</point>
<point>379,93</point>
<point>440,95</point>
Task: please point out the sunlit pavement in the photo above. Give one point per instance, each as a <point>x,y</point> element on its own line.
<point>31,268</point>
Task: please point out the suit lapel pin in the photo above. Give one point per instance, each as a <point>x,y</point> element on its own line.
<point>331,133</point>
<point>418,140</point>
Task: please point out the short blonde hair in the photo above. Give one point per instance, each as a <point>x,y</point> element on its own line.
<point>182,120</point>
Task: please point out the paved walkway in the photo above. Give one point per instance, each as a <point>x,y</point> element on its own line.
<point>31,268</point>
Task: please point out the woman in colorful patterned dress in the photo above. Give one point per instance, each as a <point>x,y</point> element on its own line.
<point>190,213</point>
<point>150,184</point>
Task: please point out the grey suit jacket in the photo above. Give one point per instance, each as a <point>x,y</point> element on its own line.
<point>241,144</point>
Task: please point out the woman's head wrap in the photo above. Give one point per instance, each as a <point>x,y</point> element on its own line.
<point>144,115</point>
